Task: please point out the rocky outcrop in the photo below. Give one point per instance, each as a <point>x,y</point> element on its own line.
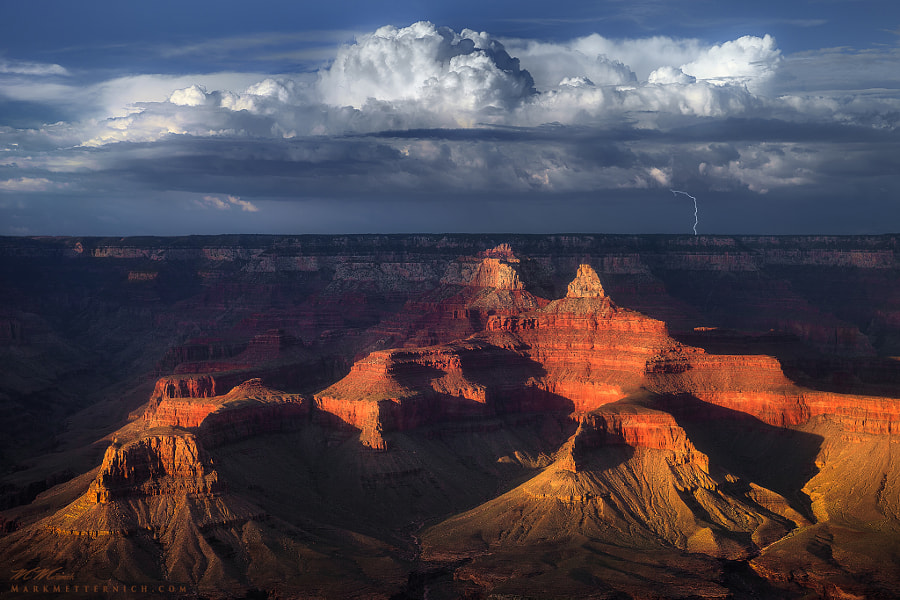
<point>856,414</point>
<point>179,412</point>
<point>586,284</point>
<point>641,427</point>
<point>183,400</point>
<point>472,290</point>
<point>250,408</point>
<point>159,462</point>
<point>582,352</point>
<point>629,425</point>
<point>591,351</point>
<point>494,268</point>
<point>187,386</point>
<point>756,386</point>
<point>142,482</point>
<point>398,390</point>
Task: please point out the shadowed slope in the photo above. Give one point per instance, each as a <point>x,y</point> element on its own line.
<point>591,520</point>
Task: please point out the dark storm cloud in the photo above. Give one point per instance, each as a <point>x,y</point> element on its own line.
<point>426,127</point>
<point>778,130</point>
<point>734,155</point>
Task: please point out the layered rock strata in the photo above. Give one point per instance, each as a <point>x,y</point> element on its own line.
<point>248,409</point>
<point>141,482</point>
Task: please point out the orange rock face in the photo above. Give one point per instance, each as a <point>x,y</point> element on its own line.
<point>858,414</point>
<point>178,412</point>
<point>586,284</point>
<point>155,464</point>
<point>404,389</point>
<point>582,352</point>
<point>646,429</point>
<point>247,409</point>
<point>635,426</point>
<point>592,352</point>
<point>472,290</point>
<point>188,386</point>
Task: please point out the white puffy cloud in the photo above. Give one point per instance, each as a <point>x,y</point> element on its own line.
<point>124,95</point>
<point>195,95</point>
<point>667,75</point>
<point>639,57</point>
<point>551,64</point>
<point>435,68</point>
<point>423,76</point>
<point>750,60</point>
<point>115,97</point>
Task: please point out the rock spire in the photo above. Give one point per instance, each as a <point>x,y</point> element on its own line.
<point>586,284</point>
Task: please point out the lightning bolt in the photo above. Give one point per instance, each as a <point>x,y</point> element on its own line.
<point>696,218</point>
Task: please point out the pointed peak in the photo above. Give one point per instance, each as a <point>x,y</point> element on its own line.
<point>503,251</point>
<point>485,272</point>
<point>586,284</point>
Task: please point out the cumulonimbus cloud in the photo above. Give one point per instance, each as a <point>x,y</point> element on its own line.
<point>434,66</point>
<point>405,109</point>
<point>425,76</point>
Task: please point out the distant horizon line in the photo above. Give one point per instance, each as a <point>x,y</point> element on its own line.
<point>444,233</point>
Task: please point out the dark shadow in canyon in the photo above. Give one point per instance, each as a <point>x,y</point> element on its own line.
<point>777,458</point>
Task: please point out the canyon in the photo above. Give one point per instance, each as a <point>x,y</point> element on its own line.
<point>453,416</point>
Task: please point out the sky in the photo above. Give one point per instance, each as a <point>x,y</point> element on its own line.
<point>610,116</point>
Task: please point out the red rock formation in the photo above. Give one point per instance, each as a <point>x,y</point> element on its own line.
<point>470,292</point>
<point>857,414</point>
<point>248,409</point>
<point>187,386</point>
<point>629,425</point>
<point>178,412</point>
<point>586,284</point>
<point>641,427</point>
<point>578,353</point>
<point>585,352</point>
<point>756,385</point>
<point>628,477</point>
<point>156,463</point>
<point>176,398</point>
<point>404,389</point>
<point>592,351</point>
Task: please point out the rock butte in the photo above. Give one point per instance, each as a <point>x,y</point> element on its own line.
<point>551,442</point>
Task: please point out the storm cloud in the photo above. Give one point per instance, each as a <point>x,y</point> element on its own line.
<point>427,117</point>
